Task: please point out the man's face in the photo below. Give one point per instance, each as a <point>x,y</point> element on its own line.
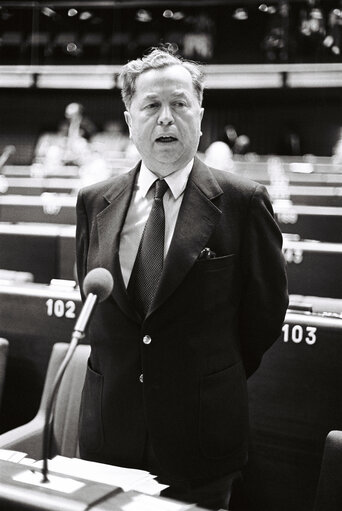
<point>164,119</point>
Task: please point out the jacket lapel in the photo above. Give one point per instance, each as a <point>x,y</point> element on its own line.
<point>109,224</point>
<point>196,220</point>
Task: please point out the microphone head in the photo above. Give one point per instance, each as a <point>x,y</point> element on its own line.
<point>10,149</point>
<point>98,281</point>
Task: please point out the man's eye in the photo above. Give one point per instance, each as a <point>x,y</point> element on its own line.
<point>150,106</point>
<point>180,104</point>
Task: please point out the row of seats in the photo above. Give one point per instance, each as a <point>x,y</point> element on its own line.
<point>303,194</point>
<point>309,222</point>
<point>47,251</point>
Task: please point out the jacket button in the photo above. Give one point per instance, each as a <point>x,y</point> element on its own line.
<point>147,339</point>
<point>141,378</point>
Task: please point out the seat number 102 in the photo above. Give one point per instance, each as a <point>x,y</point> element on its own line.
<point>61,309</point>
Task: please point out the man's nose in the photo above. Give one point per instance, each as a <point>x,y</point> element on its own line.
<point>165,116</point>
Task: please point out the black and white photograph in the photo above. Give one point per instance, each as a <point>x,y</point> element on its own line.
<point>170,255</point>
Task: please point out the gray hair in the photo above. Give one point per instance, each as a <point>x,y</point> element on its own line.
<point>158,58</point>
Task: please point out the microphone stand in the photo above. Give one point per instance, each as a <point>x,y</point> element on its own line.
<point>77,334</point>
<point>7,152</point>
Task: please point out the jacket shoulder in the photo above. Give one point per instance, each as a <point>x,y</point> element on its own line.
<point>98,189</point>
<point>237,185</point>
<point>107,188</point>
<point>229,178</point>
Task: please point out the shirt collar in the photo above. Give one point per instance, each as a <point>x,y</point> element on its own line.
<point>176,181</point>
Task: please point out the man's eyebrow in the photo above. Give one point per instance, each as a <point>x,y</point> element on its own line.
<point>154,96</point>
<point>150,95</point>
<point>180,93</point>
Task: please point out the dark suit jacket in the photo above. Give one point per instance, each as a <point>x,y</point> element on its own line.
<point>210,323</point>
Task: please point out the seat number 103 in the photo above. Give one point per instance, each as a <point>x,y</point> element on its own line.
<point>299,333</point>
<point>61,309</point>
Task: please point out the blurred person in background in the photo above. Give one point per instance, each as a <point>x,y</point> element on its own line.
<point>239,144</point>
<point>220,156</point>
<point>112,139</point>
<point>69,145</point>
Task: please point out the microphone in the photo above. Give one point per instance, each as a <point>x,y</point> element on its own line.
<point>7,152</point>
<point>97,286</point>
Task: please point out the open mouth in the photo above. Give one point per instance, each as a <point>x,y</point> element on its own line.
<point>166,139</point>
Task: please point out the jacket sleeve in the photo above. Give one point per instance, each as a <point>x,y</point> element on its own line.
<point>265,295</point>
<point>82,240</point>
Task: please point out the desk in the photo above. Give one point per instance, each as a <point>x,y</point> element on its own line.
<point>17,496</point>
<point>314,268</point>
<point>38,185</point>
<point>312,222</point>
<point>45,250</point>
<point>316,195</point>
<point>295,400</point>
<point>47,208</point>
<point>38,170</point>
<point>296,172</point>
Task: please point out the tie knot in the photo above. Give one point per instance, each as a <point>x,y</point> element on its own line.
<point>160,189</point>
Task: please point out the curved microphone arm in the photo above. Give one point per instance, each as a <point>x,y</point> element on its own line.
<point>98,284</point>
<point>49,413</point>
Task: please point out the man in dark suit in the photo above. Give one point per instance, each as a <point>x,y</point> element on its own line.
<point>172,347</point>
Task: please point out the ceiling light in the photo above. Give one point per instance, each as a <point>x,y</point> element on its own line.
<point>72,12</point>
<point>143,16</point>
<point>73,49</point>
<point>269,9</point>
<point>50,13</point>
<point>85,15</point>
<point>168,13</point>
<point>178,15</point>
<point>240,14</point>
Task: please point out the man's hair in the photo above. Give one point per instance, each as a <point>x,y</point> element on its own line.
<point>158,58</point>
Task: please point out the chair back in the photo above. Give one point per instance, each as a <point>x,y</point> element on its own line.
<point>3,362</point>
<point>68,403</point>
<point>329,489</point>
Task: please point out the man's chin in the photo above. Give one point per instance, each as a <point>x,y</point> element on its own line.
<point>165,166</point>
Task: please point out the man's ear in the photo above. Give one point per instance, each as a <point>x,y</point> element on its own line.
<point>201,117</point>
<point>128,120</point>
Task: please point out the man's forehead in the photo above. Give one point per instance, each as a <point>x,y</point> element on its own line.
<point>176,93</point>
<point>173,73</point>
<point>171,81</point>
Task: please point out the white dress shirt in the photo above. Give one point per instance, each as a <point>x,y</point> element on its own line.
<point>139,210</point>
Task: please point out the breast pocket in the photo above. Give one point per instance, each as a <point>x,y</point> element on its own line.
<point>217,279</point>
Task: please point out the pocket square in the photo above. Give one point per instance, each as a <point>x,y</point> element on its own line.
<point>206,253</point>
